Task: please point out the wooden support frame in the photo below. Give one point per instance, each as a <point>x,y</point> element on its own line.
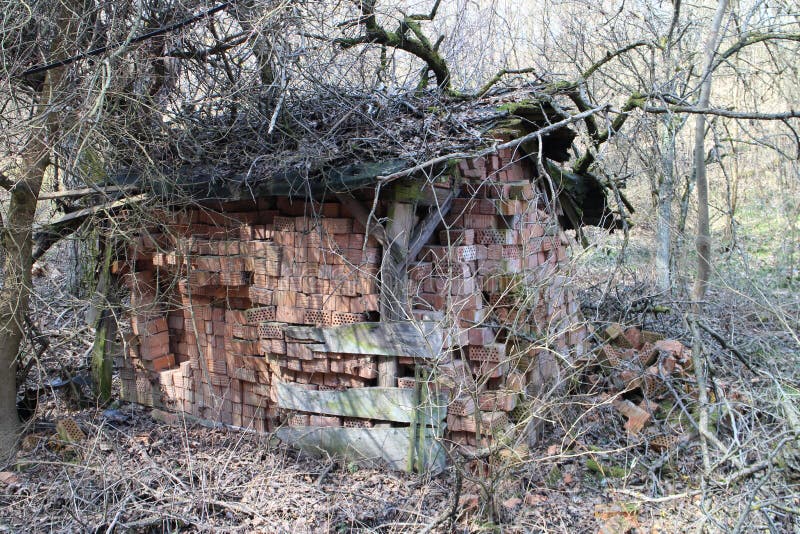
<point>373,447</point>
<point>368,221</point>
<point>394,280</point>
<point>425,229</point>
<point>411,448</point>
<point>402,239</point>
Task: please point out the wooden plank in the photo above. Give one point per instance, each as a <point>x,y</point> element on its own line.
<point>421,339</point>
<point>371,447</point>
<point>86,212</point>
<point>381,403</point>
<point>100,190</point>
<point>304,333</point>
<point>425,229</point>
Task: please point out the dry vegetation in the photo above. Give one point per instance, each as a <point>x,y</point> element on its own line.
<point>586,473</point>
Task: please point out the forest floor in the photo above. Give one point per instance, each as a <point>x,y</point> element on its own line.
<point>133,473</point>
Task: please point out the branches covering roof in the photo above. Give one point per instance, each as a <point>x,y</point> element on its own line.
<point>343,141</point>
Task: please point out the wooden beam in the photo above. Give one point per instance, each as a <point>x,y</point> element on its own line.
<point>394,278</point>
<point>418,339</point>
<point>391,339</point>
<point>425,229</point>
<point>46,235</point>
<point>373,225</point>
<point>304,333</point>
<point>371,447</point>
<point>75,193</point>
<point>104,318</point>
<point>381,403</point>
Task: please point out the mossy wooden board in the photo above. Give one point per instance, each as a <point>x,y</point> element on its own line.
<point>366,446</point>
<point>383,404</point>
<point>402,338</point>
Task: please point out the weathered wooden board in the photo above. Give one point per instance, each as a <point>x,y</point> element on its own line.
<point>371,447</point>
<point>304,333</point>
<point>384,404</point>
<point>402,338</point>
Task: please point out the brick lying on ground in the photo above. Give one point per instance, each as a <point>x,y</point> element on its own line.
<point>639,364</point>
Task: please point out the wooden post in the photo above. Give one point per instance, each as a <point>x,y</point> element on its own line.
<point>394,278</point>
<point>106,327</point>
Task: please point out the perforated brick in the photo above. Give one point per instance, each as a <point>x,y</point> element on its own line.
<point>664,442</point>
<point>271,330</point>
<point>69,431</point>
<point>493,236</point>
<point>261,315</point>
<point>298,420</point>
<point>406,382</point>
<point>490,422</point>
<point>283,224</point>
<point>318,317</point>
<point>352,422</point>
<point>494,352</point>
<point>462,406</point>
<point>340,318</point>
<point>512,252</point>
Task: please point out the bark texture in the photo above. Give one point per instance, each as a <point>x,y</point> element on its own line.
<point>703,243</point>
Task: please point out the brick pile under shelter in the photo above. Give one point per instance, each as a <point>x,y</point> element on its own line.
<point>217,296</point>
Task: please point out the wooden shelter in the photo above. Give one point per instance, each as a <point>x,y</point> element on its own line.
<point>379,310</point>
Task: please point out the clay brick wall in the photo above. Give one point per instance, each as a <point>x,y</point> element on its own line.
<point>213,293</point>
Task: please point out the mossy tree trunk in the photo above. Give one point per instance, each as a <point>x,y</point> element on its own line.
<point>15,293</point>
<point>17,233</point>
<point>106,327</point>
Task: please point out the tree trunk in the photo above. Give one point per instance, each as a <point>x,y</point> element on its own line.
<point>15,294</point>
<point>703,242</point>
<point>703,236</point>
<point>17,235</point>
<point>105,323</point>
<point>665,197</point>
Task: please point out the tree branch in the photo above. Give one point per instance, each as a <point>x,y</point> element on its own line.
<point>223,46</point>
<point>499,76</point>
<point>491,150</point>
<point>611,55</point>
<point>97,51</point>
<point>420,47</point>
<point>585,161</point>
<point>76,193</point>
<point>752,38</point>
<point>730,114</point>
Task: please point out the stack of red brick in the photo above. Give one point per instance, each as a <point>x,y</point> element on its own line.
<point>210,301</point>
<point>493,277</point>
<point>211,297</point>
